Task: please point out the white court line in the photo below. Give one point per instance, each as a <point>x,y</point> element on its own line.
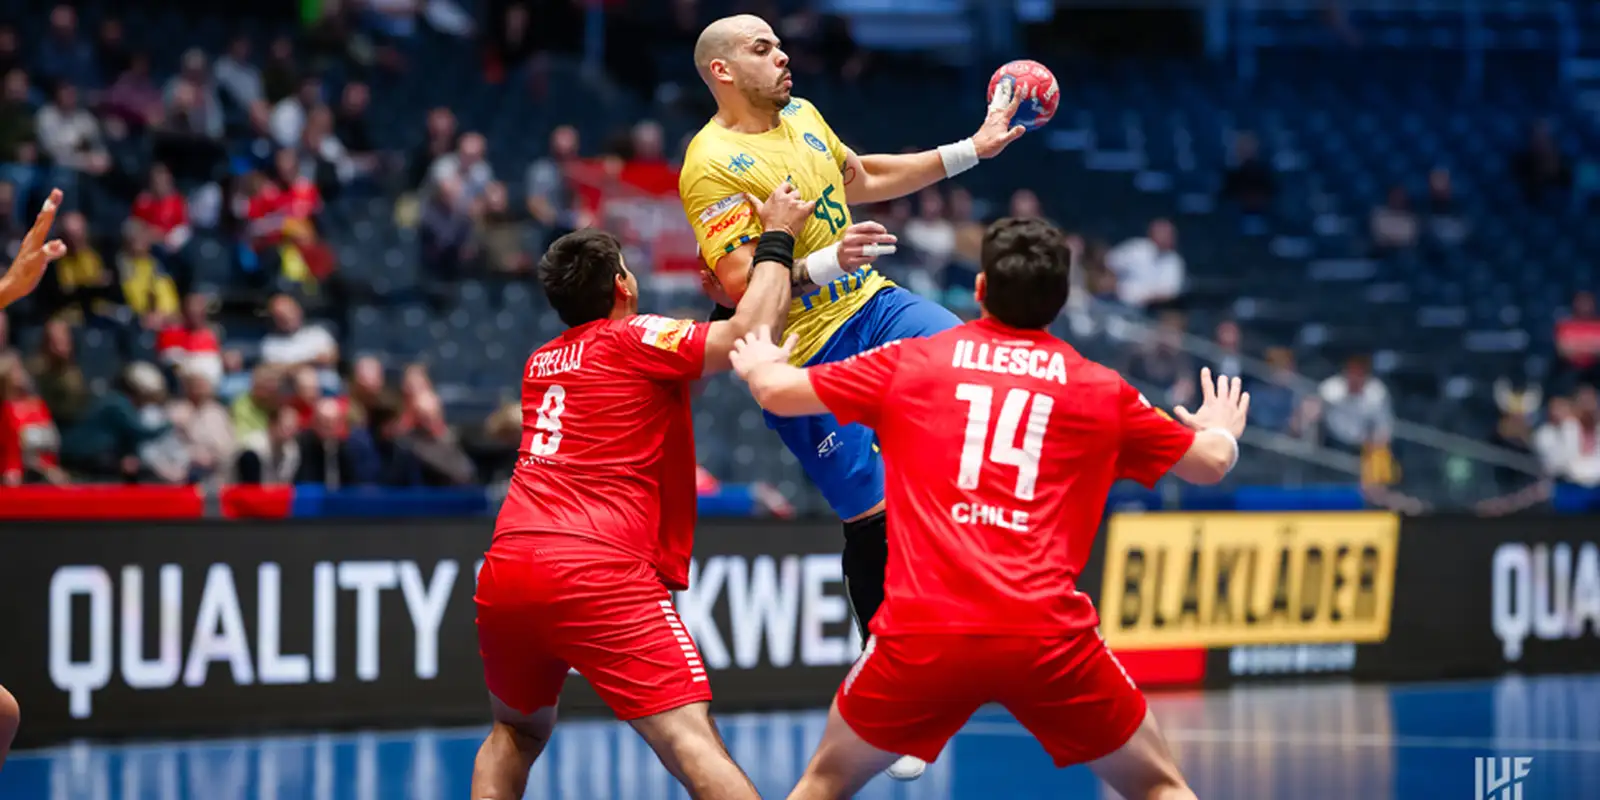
<point>1328,740</point>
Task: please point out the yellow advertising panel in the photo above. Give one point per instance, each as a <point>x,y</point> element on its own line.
<point>1218,580</point>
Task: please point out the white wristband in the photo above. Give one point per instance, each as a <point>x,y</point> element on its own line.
<point>823,265</point>
<point>1231,440</point>
<point>958,157</point>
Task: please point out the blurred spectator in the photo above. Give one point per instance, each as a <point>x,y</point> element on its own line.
<point>7,352</point>
<point>255,147</point>
<point>270,456</point>
<point>163,209</point>
<point>288,209</point>
<point>71,135</point>
<point>147,289</point>
<point>1356,407</point>
<point>1569,445</point>
<point>332,453</point>
<point>1540,168</point>
<point>203,425</point>
<point>931,234</point>
<point>398,466</point>
<point>326,161</point>
<point>1550,443</point>
<point>63,55</point>
<point>1393,225</point>
<point>352,128</point>
<point>293,343</point>
<point>1445,221</point>
<point>504,426</point>
<point>252,411</point>
<point>1229,359</point>
<point>394,19</point>
<point>125,432</point>
<point>190,345</point>
<point>189,136</point>
<point>305,391</point>
<point>444,462</point>
<point>111,51</point>
<point>238,76</point>
<point>30,444</point>
<point>1150,271</point>
<point>192,101</point>
<point>466,166</point>
<point>10,50</point>
<point>969,232</point>
<point>290,113</point>
<point>1161,363</point>
<point>1577,339</point>
<point>83,284</point>
<point>11,228</point>
<point>134,97</point>
<point>1024,203</point>
<point>552,199</point>
<point>501,232</point>
<point>445,234</point>
<point>56,373</point>
<point>281,76</point>
<point>235,380</point>
<point>438,142</point>
<point>18,140</point>
<point>511,45</point>
<point>1521,401</point>
<point>1276,402</point>
<point>368,389</point>
<point>1249,181</point>
<point>1514,433</point>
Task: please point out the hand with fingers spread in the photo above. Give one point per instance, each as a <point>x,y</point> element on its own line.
<point>864,243</point>
<point>34,254</point>
<point>784,211</point>
<point>756,348</point>
<point>997,131</point>
<point>1223,405</point>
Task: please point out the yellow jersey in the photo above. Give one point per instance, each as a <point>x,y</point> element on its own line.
<point>721,166</point>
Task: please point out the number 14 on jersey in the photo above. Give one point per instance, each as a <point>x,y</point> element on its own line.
<point>1021,409</point>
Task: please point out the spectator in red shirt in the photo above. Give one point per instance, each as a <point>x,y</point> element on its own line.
<point>29,441</point>
<point>164,209</point>
<point>1577,339</point>
<point>190,345</point>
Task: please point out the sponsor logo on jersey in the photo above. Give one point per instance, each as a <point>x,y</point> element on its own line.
<point>792,109</point>
<point>742,215</point>
<point>816,144</point>
<point>721,207</point>
<point>740,164</point>
<point>1220,580</point>
<point>662,332</point>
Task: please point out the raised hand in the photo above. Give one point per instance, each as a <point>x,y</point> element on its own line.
<point>997,131</point>
<point>33,255</point>
<point>757,348</point>
<point>1222,405</point>
<point>784,211</point>
<point>864,243</point>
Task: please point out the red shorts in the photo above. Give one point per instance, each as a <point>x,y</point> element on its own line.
<point>909,693</point>
<point>549,602</point>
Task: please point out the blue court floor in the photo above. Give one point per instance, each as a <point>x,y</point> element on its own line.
<point>1317,742</point>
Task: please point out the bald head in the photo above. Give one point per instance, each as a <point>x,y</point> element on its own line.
<point>739,56</point>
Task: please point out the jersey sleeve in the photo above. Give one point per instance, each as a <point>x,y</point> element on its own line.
<point>857,388</point>
<point>1152,442</point>
<point>663,348</point>
<point>716,207</point>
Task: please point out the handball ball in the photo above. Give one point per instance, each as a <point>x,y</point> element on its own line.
<point>1040,92</point>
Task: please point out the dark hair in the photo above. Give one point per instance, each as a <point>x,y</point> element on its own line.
<point>1028,268</point>
<point>578,272</point>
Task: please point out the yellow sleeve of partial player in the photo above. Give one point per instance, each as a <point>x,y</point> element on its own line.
<point>714,202</point>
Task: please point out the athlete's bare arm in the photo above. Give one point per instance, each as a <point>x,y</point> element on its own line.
<point>1220,421</point>
<point>764,299</point>
<point>734,270</point>
<point>876,178</point>
<point>34,255</point>
<point>778,386</point>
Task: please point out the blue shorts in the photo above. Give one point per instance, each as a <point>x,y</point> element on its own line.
<point>843,460</point>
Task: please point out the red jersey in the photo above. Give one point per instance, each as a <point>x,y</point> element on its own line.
<point>25,428</point>
<point>1000,446</point>
<point>607,440</point>
<point>161,213</point>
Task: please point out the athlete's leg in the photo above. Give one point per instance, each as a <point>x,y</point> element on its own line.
<point>515,741</point>
<point>844,762</point>
<point>866,558</point>
<point>689,746</point>
<point>10,719</point>
<point>1144,769</point>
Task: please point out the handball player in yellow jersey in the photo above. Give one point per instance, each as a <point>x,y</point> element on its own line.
<point>760,137</point>
<point>15,283</point>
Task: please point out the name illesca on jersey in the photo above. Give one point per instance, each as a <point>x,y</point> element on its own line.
<point>1002,360</point>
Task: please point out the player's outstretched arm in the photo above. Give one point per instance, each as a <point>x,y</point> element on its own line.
<point>876,178</point>
<point>765,301</point>
<point>862,244</point>
<point>34,255</point>
<point>777,385</point>
<point>1220,421</point>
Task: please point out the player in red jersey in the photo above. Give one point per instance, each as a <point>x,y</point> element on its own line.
<point>1001,443</point>
<point>598,523</point>
<point>19,279</point>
